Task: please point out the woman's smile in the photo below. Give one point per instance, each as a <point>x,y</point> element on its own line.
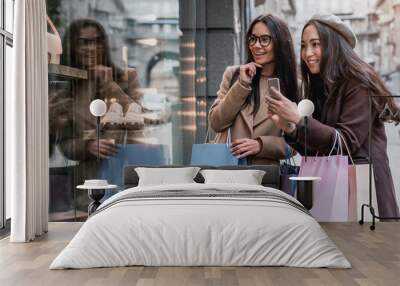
<point>261,49</point>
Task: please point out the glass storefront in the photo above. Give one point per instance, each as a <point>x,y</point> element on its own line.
<point>134,56</point>
<point>9,12</point>
<point>157,64</point>
<point>6,65</point>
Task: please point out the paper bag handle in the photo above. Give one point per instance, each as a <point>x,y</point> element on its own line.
<point>341,138</point>
<point>337,143</point>
<point>228,138</point>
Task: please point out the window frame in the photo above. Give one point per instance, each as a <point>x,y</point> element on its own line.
<point>6,39</point>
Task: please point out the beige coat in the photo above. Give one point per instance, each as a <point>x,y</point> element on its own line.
<point>228,112</point>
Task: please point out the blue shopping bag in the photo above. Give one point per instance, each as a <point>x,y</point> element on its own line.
<point>288,169</point>
<point>215,154</point>
<point>133,154</point>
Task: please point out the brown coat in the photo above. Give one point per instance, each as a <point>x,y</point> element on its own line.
<point>347,110</point>
<point>228,111</point>
<point>72,135</point>
<point>124,90</point>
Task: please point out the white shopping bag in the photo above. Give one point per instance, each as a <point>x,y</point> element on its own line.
<point>362,178</point>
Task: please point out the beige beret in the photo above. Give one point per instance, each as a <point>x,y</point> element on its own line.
<point>335,23</point>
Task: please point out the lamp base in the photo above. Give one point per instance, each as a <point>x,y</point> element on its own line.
<point>305,193</point>
<point>95,196</point>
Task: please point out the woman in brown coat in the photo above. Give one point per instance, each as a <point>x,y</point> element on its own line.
<point>72,126</point>
<point>86,47</point>
<point>239,106</point>
<point>339,83</point>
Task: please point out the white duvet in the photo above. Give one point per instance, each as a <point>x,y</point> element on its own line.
<point>200,231</point>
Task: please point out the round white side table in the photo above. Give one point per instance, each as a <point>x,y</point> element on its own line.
<point>95,194</point>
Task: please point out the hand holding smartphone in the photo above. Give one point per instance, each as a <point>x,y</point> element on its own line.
<point>273,82</point>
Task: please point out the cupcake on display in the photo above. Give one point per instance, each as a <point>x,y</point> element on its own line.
<point>113,119</point>
<point>133,118</point>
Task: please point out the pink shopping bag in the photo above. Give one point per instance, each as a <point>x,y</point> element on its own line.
<point>352,193</point>
<point>331,192</point>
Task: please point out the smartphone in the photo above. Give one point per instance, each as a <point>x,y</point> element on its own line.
<point>273,82</point>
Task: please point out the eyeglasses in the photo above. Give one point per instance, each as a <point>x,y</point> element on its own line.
<point>85,42</point>
<point>264,40</point>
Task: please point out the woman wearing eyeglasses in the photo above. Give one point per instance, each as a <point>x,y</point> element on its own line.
<point>86,47</point>
<point>71,125</point>
<point>240,105</point>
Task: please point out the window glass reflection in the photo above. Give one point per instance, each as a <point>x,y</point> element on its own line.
<point>9,15</point>
<point>1,15</point>
<point>126,53</point>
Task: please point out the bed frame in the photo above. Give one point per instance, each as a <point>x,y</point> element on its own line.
<point>270,179</point>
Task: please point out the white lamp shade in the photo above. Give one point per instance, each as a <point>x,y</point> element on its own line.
<point>305,107</point>
<point>98,107</point>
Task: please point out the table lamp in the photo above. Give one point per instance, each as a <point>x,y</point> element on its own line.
<point>98,108</point>
<point>306,109</point>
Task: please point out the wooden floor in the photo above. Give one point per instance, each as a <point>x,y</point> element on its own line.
<point>374,255</point>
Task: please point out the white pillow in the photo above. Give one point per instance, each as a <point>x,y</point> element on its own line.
<point>248,177</point>
<point>166,176</point>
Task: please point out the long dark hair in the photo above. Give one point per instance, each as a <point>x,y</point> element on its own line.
<point>338,64</point>
<point>70,45</point>
<point>284,57</point>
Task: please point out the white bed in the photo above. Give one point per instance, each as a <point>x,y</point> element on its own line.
<point>250,228</point>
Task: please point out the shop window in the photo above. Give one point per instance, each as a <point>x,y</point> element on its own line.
<point>112,52</point>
